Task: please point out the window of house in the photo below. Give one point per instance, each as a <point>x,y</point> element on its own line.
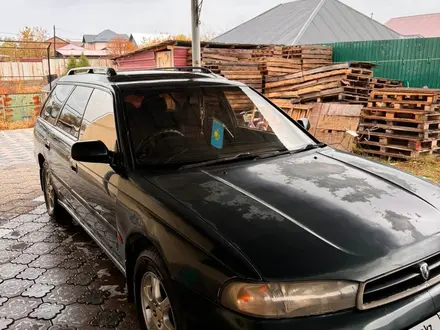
<point>55,102</point>
<point>72,113</point>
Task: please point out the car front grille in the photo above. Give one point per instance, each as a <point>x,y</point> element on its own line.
<point>399,284</point>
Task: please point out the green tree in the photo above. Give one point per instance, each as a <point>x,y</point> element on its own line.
<point>71,63</point>
<point>83,61</point>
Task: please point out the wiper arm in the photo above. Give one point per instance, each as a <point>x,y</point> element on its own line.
<point>241,156</point>
<point>309,147</point>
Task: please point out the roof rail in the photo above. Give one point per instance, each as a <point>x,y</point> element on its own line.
<point>91,69</point>
<point>185,68</point>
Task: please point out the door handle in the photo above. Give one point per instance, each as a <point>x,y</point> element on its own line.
<point>47,145</point>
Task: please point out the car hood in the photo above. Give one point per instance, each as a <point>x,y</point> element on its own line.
<point>316,215</point>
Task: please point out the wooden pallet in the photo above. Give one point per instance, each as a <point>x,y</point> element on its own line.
<point>408,105</point>
<point>405,132</point>
<point>396,114</point>
<point>392,152</point>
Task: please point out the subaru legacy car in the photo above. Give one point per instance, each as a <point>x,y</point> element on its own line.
<point>224,213</point>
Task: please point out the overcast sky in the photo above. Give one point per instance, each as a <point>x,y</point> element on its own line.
<point>76,17</point>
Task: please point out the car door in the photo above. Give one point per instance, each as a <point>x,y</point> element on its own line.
<point>54,145</point>
<point>96,185</point>
<point>65,134</point>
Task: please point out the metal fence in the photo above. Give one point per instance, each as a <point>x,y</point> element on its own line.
<point>414,61</point>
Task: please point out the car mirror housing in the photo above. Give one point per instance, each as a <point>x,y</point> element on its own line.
<point>304,122</point>
<point>91,152</point>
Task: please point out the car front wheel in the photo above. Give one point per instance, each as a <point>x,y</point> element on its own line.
<point>153,286</point>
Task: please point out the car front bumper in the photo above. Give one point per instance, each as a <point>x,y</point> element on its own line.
<point>403,314</point>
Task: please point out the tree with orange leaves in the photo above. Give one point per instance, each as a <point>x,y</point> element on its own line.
<point>120,46</point>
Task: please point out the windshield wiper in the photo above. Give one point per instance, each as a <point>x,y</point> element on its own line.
<point>309,147</point>
<point>240,156</point>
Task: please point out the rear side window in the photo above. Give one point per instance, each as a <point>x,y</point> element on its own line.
<point>55,102</point>
<point>73,111</point>
<point>99,120</point>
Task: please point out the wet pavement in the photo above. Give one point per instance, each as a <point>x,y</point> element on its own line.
<point>52,275</point>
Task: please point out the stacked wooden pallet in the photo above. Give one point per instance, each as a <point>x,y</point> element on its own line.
<point>220,55</point>
<point>401,123</point>
<point>347,82</point>
<point>376,83</point>
<point>270,51</point>
<point>310,56</point>
<point>247,73</point>
<point>295,111</point>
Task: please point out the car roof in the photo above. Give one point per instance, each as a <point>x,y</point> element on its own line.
<point>106,77</point>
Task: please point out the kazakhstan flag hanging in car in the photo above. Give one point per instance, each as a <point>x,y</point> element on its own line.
<point>218,129</point>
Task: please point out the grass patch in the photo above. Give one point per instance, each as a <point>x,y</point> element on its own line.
<point>424,166</point>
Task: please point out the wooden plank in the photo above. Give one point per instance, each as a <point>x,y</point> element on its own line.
<point>318,88</point>
<point>319,70</point>
<point>306,78</point>
<point>282,94</point>
<point>220,57</point>
<point>342,123</point>
<point>282,70</point>
<point>241,76</point>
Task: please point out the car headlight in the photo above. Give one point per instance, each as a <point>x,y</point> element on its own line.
<point>282,300</point>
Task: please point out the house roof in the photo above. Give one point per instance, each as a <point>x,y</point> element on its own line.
<point>73,50</point>
<point>423,25</point>
<point>104,36</point>
<point>308,22</point>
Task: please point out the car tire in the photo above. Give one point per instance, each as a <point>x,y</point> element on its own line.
<point>153,312</point>
<point>54,209</point>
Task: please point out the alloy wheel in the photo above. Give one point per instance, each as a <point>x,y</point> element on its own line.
<point>156,307</point>
<point>49,192</point>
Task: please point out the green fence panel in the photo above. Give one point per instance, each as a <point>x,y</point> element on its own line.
<point>18,107</point>
<point>414,61</point>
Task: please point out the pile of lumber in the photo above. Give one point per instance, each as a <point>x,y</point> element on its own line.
<point>247,73</point>
<point>273,61</point>
<point>401,123</point>
<point>234,64</point>
<point>347,82</point>
<point>376,83</point>
<point>311,57</point>
<point>295,111</point>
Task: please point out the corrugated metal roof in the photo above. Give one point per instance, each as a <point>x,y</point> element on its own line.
<point>104,36</point>
<point>89,37</point>
<point>308,22</point>
<point>423,25</point>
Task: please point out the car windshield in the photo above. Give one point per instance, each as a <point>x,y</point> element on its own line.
<point>189,125</point>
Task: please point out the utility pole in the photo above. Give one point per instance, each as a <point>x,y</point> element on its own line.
<point>54,43</point>
<point>196,8</point>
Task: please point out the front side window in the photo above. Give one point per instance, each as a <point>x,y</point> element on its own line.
<point>72,113</point>
<point>55,102</point>
<point>99,120</point>
<point>181,126</point>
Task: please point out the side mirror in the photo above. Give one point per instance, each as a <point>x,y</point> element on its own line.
<point>304,122</point>
<point>91,152</point>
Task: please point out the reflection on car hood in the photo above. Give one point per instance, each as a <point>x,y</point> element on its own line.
<point>320,214</point>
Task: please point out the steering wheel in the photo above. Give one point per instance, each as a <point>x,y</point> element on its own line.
<point>146,146</point>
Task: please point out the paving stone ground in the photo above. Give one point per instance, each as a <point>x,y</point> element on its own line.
<point>52,275</point>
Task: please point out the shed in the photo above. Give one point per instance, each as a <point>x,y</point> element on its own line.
<point>304,22</point>
<point>170,53</point>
